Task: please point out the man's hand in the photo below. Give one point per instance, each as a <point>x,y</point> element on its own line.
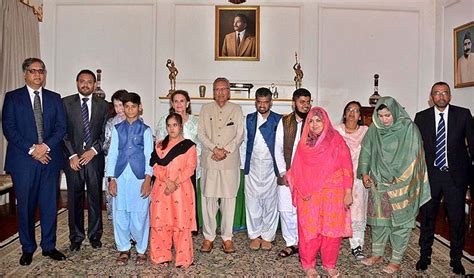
<point>40,151</point>
<point>113,188</point>
<point>219,154</point>
<point>86,157</point>
<point>146,187</point>
<point>45,159</point>
<point>285,179</point>
<point>74,163</point>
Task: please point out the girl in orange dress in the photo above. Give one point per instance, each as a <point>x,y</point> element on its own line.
<point>172,208</point>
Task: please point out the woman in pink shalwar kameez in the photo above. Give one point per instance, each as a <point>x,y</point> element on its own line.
<point>172,208</point>
<point>321,179</point>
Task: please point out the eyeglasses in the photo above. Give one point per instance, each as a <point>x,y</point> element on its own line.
<point>39,71</point>
<point>438,94</point>
<point>221,90</point>
<point>354,110</point>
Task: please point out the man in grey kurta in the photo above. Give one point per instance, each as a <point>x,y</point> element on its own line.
<point>221,133</point>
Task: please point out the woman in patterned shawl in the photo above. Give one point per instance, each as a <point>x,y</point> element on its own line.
<point>320,180</point>
<point>392,164</point>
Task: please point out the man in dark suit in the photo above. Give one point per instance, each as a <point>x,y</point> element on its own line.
<point>445,130</point>
<point>86,115</point>
<point>34,124</point>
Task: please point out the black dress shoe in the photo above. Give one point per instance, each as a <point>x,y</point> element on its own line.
<point>26,258</point>
<point>54,254</point>
<point>96,244</point>
<point>423,263</point>
<point>75,246</point>
<point>457,266</point>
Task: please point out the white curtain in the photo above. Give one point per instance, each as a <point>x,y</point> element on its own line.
<point>19,39</point>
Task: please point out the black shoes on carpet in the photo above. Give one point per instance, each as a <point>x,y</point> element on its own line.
<point>75,246</point>
<point>54,254</point>
<point>423,263</point>
<point>457,266</point>
<point>96,244</point>
<point>27,258</point>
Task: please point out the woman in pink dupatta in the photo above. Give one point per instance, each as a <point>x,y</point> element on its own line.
<point>321,180</point>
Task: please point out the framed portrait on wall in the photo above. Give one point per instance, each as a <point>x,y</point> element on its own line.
<point>463,55</point>
<point>237,33</point>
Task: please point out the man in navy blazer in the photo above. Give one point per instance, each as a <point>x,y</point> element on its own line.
<point>34,157</point>
<point>448,171</point>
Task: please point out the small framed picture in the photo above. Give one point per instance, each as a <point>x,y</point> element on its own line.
<point>237,33</point>
<point>463,55</point>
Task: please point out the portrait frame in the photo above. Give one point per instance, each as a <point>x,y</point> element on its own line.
<point>224,26</point>
<point>458,37</point>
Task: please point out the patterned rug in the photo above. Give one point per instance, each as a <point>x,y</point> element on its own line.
<point>101,262</point>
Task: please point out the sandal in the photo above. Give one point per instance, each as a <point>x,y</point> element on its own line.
<point>123,258</point>
<point>371,261</point>
<point>312,273</point>
<point>141,259</point>
<point>391,268</point>
<point>285,253</point>
<point>332,272</point>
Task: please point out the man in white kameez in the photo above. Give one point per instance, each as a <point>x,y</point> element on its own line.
<point>288,135</point>
<point>261,198</point>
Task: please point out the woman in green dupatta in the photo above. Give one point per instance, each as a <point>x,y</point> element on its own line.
<point>392,164</point>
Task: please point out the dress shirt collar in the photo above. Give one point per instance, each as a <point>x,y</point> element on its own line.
<point>31,91</point>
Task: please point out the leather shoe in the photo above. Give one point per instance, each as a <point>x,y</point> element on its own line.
<point>26,258</point>
<point>207,246</point>
<point>54,254</point>
<point>423,263</point>
<point>75,246</point>
<point>457,266</point>
<point>228,246</point>
<point>96,244</point>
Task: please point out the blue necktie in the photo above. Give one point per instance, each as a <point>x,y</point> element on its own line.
<point>85,121</point>
<point>440,161</point>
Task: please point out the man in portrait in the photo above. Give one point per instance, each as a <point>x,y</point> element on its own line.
<point>241,42</point>
<point>466,61</point>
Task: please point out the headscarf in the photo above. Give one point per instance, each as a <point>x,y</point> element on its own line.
<point>325,163</point>
<point>394,157</point>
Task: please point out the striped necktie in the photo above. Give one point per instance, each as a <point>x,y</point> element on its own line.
<point>38,113</point>
<point>440,155</point>
<point>85,121</point>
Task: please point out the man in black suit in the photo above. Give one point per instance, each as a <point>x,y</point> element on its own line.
<point>445,130</point>
<point>34,124</point>
<point>86,115</point>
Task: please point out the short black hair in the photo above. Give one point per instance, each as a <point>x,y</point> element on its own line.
<point>301,92</point>
<point>119,95</point>
<point>133,98</point>
<point>86,71</point>
<point>244,18</point>
<point>467,36</point>
<point>263,92</point>
<point>440,83</point>
<point>29,61</point>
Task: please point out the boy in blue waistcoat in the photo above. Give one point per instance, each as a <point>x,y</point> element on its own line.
<point>129,176</point>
